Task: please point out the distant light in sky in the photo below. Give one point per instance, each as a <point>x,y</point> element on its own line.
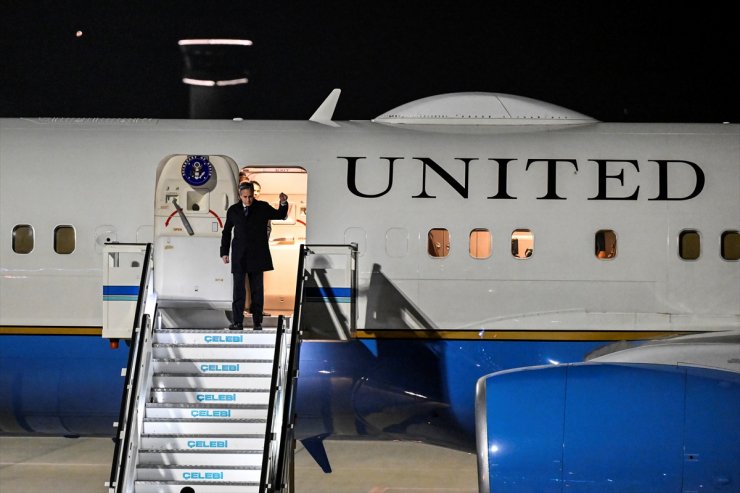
<point>196,82</point>
<point>232,82</point>
<point>211,83</point>
<point>238,42</point>
<point>79,34</point>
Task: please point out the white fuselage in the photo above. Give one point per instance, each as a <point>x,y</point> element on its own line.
<point>99,176</point>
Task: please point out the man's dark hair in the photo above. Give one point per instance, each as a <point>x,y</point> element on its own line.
<point>245,185</point>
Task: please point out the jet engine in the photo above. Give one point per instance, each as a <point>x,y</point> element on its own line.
<point>595,427</point>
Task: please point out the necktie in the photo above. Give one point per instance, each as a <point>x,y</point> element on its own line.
<point>246,211</point>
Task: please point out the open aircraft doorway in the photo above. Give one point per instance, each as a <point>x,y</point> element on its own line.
<point>286,236</point>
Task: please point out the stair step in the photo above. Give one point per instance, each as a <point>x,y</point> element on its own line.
<point>157,426</point>
<point>213,351</point>
<point>195,474</point>
<point>203,442</point>
<point>207,367</point>
<point>215,381</point>
<point>206,336</point>
<point>202,457</point>
<point>205,423</point>
<point>210,396</point>
<point>199,487</point>
<point>214,411</point>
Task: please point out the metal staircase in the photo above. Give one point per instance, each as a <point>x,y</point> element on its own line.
<point>206,409</point>
<point>205,421</point>
<point>203,410</point>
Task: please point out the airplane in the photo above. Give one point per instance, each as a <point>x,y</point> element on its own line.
<point>527,276</point>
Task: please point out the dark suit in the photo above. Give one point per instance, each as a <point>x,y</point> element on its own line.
<point>250,253</point>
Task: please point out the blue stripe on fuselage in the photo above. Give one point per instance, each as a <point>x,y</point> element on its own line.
<point>120,290</point>
<point>337,295</point>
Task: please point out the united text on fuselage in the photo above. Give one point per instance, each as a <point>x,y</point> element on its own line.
<point>606,169</point>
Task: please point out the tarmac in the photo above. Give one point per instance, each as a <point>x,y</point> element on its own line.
<point>82,465</point>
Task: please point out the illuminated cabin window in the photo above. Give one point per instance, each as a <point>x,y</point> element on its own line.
<point>522,243</point>
<point>730,245</point>
<point>22,238</point>
<point>689,244</point>
<point>605,244</point>
<point>438,243</point>
<point>64,239</point>
<point>480,243</point>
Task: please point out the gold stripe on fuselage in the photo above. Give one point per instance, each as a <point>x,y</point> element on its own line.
<point>519,335</point>
<point>56,331</point>
<point>465,335</point>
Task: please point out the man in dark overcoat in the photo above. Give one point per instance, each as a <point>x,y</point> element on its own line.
<point>250,251</point>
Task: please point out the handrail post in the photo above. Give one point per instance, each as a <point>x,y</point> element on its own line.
<point>274,384</point>
<point>279,478</point>
<point>141,327</point>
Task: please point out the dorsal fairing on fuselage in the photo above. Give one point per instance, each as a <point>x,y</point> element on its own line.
<point>481,108</point>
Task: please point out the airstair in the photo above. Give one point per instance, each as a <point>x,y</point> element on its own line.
<point>207,409</point>
<point>206,417</point>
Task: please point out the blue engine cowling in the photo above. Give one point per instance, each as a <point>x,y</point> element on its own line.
<point>609,428</point>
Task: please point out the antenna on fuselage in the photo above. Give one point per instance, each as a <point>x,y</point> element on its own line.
<point>325,112</point>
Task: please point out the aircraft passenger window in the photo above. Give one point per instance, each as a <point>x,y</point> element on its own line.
<point>689,244</point>
<point>480,243</point>
<point>64,239</point>
<point>730,245</point>
<point>397,242</point>
<point>438,242</point>
<point>22,238</point>
<point>522,243</point>
<point>606,244</point>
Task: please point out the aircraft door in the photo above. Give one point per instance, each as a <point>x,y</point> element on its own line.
<point>192,196</point>
<point>286,235</point>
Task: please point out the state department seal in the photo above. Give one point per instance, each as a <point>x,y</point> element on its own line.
<point>197,170</point>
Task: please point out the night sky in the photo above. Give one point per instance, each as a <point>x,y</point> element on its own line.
<point>614,61</point>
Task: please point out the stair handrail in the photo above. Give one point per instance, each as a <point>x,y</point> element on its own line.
<point>279,481</point>
<point>141,328</point>
<point>268,462</point>
<point>296,337</point>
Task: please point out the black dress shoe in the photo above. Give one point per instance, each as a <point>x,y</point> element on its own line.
<point>236,327</point>
<point>257,327</point>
